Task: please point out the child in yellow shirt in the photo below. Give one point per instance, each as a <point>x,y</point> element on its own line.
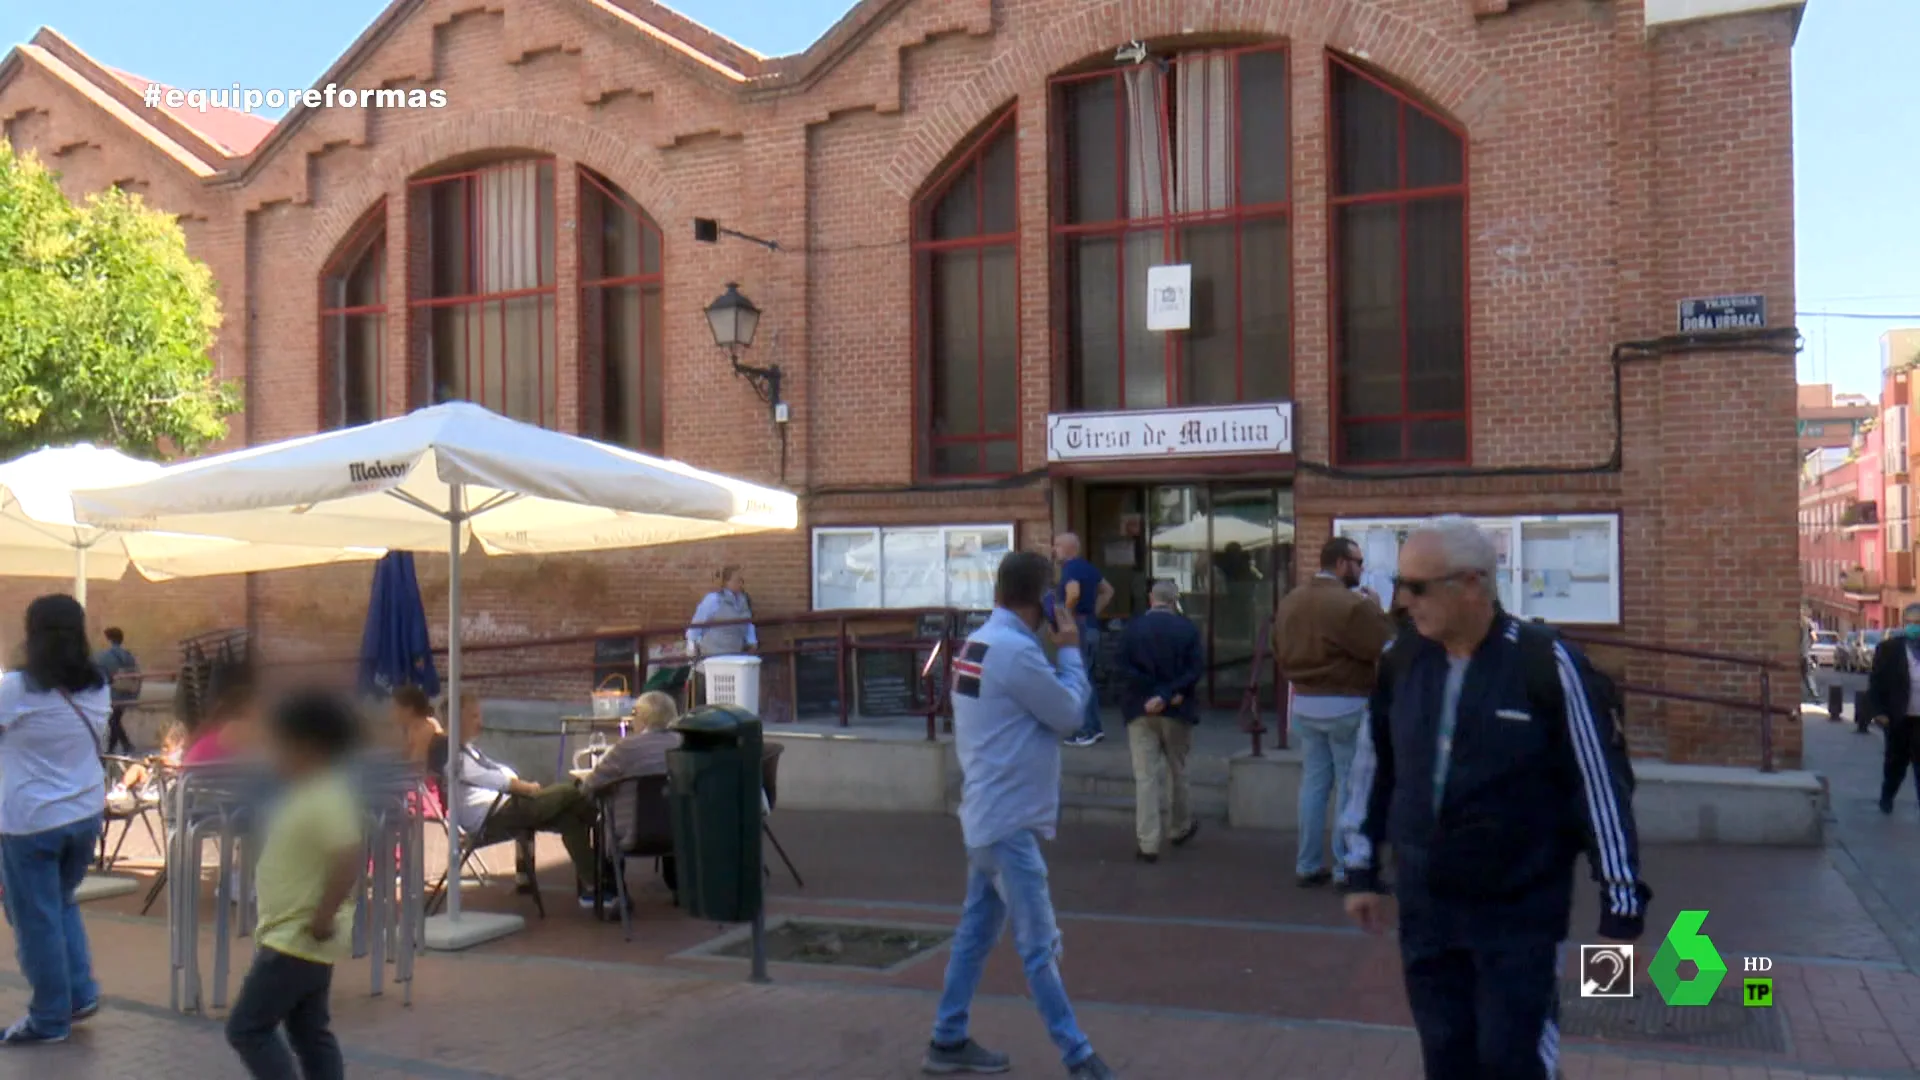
<point>310,861</point>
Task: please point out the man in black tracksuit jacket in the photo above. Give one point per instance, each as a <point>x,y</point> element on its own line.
<point>1487,796</point>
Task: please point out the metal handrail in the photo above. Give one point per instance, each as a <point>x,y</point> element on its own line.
<point>1765,707</point>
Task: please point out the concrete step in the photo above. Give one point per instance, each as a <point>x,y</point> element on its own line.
<point>1108,784</point>
<point>1207,805</point>
<point>1118,809</point>
<point>1109,762</point>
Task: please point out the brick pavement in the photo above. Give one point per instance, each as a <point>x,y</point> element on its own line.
<point>1210,963</point>
<point>484,1017</point>
<point>1875,853</point>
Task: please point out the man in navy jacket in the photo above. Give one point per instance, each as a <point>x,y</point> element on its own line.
<point>1161,652</point>
<point>1487,797</point>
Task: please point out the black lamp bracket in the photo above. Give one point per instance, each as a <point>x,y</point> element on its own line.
<point>764,380</point>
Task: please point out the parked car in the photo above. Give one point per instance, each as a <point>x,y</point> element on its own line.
<point>1864,643</point>
<point>1824,648</point>
<point>1843,653</point>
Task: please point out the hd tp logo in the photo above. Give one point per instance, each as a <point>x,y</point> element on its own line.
<point>1602,968</point>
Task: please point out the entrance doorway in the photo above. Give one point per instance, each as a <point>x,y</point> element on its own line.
<point>1228,547</point>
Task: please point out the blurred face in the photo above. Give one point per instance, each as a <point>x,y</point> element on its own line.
<point>1912,626</point>
<point>404,717</point>
<point>289,758</point>
<point>1349,567</point>
<point>736,582</point>
<point>470,719</point>
<point>1441,599</point>
<point>1065,546</point>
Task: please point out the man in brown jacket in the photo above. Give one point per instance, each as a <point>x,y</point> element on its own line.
<point>1327,638</point>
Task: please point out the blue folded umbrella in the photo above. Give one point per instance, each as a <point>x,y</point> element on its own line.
<point>395,648</point>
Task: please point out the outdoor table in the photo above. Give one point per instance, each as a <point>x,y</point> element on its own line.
<point>587,725</point>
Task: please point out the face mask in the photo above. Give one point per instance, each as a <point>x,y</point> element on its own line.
<point>1913,631</point>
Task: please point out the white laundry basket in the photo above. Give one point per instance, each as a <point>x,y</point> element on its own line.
<point>733,680</point>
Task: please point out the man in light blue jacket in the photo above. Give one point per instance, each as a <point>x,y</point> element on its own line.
<point>1010,709</point>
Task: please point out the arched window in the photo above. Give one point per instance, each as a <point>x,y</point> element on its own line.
<point>481,290</point>
<point>1175,161</point>
<point>353,326</point>
<point>967,310</point>
<point>1399,276</point>
<point>622,346</point>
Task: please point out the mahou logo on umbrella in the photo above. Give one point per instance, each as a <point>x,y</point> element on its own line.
<point>366,472</point>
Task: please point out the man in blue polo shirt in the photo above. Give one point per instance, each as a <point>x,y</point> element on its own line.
<point>1086,593</point>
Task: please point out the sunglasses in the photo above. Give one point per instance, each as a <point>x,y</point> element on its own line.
<point>1422,586</point>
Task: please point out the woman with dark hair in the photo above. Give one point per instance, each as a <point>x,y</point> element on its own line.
<point>53,790</point>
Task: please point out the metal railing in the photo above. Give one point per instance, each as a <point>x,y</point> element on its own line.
<point>1761,706</point>
<point>932,633</point>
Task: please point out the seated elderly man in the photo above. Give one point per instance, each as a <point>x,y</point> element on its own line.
<point>643,753</point>
<point>556,808</point>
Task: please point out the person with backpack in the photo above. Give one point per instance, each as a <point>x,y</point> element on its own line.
<point>1491,758</point>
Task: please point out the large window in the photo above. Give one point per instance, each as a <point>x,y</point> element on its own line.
<point>482,288</point>
<point>1181,162</point>
<point>967,321</point>
<point>622,344</point>
<point>1562,568</point>
<point>353,326</point>
<point>1399,276</point>
<point>915,567</point>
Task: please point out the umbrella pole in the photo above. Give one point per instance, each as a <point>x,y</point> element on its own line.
<point>80,574</point>
<point>456,518</point>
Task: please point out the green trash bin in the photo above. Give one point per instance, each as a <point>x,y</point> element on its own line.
<point>713,785</point>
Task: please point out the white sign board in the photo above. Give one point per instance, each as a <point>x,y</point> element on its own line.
<point>1228,430</point>
<point>1169,298</point>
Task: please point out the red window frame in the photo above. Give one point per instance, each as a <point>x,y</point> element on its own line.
<point>367,240</point>
<point>593,362</point>
<point>1402,196</point>
<point>420,269</point>
<point>1169,225</point>
<point>924,245</point>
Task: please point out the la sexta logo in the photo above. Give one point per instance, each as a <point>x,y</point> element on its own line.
<point>366,472</point>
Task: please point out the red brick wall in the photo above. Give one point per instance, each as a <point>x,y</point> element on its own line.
<point>1613,172</point>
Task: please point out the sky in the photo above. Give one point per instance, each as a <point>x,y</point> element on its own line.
<point>1856,123</point>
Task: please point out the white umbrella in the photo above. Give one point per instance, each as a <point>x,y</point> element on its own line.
<point>40,538</point>
<point>1192,536</point>
<point>434,480</point>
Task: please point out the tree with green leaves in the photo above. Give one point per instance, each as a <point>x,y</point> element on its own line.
<point>106,323</point>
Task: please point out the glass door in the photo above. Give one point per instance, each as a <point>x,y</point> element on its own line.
<point>1252,540</point>
<point>1228,549</point>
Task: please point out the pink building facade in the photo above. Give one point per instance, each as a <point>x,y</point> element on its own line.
<point>1842,558</point>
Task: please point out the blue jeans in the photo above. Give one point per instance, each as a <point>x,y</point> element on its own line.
<point>1089,645</point>
<point>42,869</point>
<point>1327,750</point>
<point>1007,882</point>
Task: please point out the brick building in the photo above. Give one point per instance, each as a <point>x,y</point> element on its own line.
<point>1203,282</point>
<point>1827,419</point>
<point>1899,352</point>
<point>1842,563</point>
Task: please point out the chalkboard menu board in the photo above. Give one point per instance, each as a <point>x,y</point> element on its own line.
<point>613,656</point>
<point>816,680</point>
<point>888,682</point>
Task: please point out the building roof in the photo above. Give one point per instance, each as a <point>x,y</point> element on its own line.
<point>234,131</point>
<point>237,141</point>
